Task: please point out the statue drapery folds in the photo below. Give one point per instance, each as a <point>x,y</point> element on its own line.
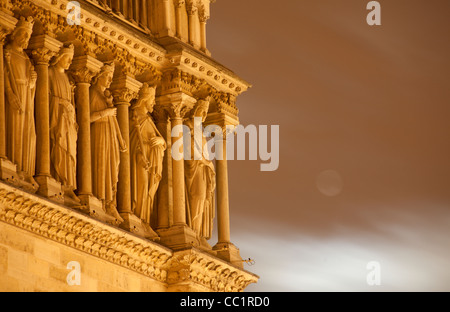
<point>106,141</point>
<point>147,148</point>
<point>63,125</point>
<point>200,179</point>
<point>20,82</point>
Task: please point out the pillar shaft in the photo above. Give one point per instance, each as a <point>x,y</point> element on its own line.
<point>179,196</point>
<point>124,90</point>
<point>179,29</point>
<point>164,195</point>
<point>203,35</point>
<point>167,19</point>
<point>124,186</point>
<point>84,172</point>
<point>223,206</point>
<point>83,69</point>
<point>43,49</point>
<point>2,107</point>
<point>193,18</point>
<point>177,105</point>
<point>143,13</point>
<point>42,121</point>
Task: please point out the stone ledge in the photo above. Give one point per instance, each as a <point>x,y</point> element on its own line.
<point>178,270</point>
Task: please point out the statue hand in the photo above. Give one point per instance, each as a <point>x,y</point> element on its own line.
<point>123,147</point>
<point>33,76</point>
<point>111,112</point>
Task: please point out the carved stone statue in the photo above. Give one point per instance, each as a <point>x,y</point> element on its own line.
<point>20,82</point>
<point>63,125</point>
<point>200,180</point>
<point>147,148</point>
<point>106,141</point>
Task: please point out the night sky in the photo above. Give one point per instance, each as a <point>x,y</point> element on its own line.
<point>364,169</point>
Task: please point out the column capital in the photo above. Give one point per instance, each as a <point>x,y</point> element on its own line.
<point>225,122</point>
<point>176,104</point>
<point>43,48</point>
<point>203,16</point>
<point>7,24</point>
<point>179,3</point>
<point>191,7</point>
<point>125,89</point>
<point>84,68</point>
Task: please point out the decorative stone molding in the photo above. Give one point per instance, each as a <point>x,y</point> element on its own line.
<point>201,268</point>
<point>82,233</point>
<point>98,34</point>
<point>226,103</point>
<point>74,229</point>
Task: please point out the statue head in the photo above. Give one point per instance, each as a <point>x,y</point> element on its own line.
<point>64,57</point>
<point>105,76</point>
<point>22,33</point>
<point>146,98</point>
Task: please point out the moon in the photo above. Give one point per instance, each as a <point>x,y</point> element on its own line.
<point>329,183</point>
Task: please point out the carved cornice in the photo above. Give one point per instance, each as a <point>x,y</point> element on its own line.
<point>5,5</point>
<point>201,268</point>
<point>95,33</point>
<point>99,34</point>
<point>83,233</point>
<point>175,80</point>
<point>42,48</point>
<point>124,89</point>
<point>79,231</point>
<point>226,103</point>
<point>84,68</point>
<point>42,56</point>
<point>177,105</point>
<point>210,73</point>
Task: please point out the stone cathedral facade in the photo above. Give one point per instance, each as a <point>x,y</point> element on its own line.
<point>91,195</point>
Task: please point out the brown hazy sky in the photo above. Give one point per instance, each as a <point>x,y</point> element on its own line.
<point>372,104</point>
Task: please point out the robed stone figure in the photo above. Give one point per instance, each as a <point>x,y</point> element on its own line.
<point>20,83</point>
<point>63,125</point>
<point>106,141</point>
<point>200,177</point>
<point>147,148</point>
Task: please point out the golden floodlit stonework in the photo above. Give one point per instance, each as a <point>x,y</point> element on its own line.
<point>91,196</point>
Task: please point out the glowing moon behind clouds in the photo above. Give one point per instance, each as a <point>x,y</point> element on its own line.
<point>329,183</point>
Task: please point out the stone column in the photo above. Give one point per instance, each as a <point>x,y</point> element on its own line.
<point>224,248</point>
<point>7,168</point>
<point>164,194</point>
<point>179,235</point>
<point>143,14</point>
<point>178,10</point>
<point>167,20</point>
<point>82,70</point>
<point>192,11</point>
<point>43,48</point>
<point>203,19</point>
<point>223,206</point>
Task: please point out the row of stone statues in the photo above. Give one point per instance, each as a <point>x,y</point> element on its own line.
<point>146,144</point>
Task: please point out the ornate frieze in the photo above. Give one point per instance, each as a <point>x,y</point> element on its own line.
<point>78,231</point>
